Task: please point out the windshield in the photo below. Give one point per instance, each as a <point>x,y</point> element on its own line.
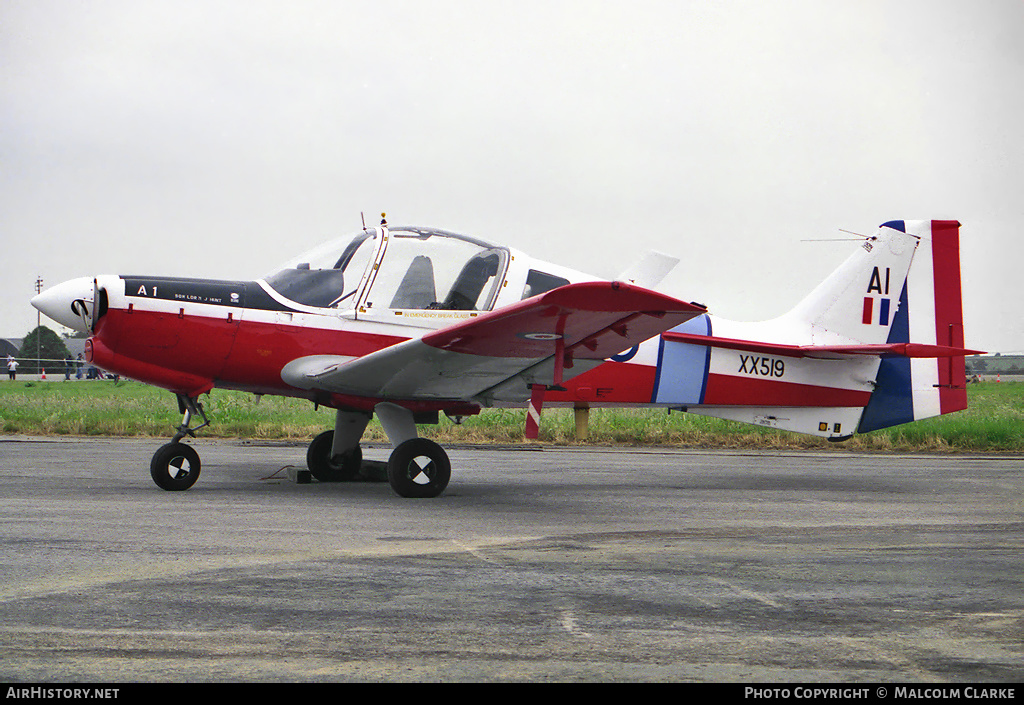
<point>432,269</point>
<point>326,276</point>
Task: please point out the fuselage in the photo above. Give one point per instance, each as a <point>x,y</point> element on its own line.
<point>350,298</point>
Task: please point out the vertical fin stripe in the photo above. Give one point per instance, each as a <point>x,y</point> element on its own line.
<point>949,321</point>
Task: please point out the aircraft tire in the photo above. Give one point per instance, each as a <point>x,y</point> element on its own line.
<point>419,468</point>
<point>323,468</point>
<point>175,467</point>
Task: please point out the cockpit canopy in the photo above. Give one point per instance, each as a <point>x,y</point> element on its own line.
<point>318,277</point>
<point>421,269</point>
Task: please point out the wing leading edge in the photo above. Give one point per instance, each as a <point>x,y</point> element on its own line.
<point>497,355</point>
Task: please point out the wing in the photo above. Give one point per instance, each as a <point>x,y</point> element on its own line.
<point>542,340</point>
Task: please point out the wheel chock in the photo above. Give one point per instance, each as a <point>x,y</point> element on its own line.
<point>300,476</point>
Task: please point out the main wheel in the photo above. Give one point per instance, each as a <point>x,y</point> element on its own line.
<point>327,469</point>
<point>419,468</point>
<point>175,467</point>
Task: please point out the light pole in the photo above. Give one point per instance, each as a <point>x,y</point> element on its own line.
<point>39,289</point>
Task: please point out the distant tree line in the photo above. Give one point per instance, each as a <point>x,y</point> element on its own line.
<point>42,344</point>
<point>995,364</point>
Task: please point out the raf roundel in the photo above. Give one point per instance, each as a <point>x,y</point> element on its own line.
<point>540,336</point>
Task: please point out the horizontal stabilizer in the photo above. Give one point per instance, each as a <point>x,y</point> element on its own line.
<point>825,352</point>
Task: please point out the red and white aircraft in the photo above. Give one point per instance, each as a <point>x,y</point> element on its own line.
<point>408,322</point>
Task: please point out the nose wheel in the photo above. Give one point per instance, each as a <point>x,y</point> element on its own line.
<point>175,467</point>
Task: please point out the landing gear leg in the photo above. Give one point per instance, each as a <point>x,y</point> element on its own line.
<point>175,466</point>
<point>189,407</point>
<point>418,467</point>
<point>335,456</point>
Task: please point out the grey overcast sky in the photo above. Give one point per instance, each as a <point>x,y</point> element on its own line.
<point>219,138</point>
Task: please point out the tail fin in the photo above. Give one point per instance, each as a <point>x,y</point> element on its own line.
<point>929,313</point>
<point>858,303</point>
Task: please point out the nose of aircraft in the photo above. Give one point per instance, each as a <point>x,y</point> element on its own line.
<point>65,303</point>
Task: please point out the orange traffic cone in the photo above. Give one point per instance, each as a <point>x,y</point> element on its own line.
<point>44,372</point>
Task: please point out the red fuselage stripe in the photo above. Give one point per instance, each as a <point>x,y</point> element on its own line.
<point>728,390</point>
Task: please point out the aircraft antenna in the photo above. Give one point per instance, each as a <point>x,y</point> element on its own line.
<point>840,239</point>
<point>362,216</point>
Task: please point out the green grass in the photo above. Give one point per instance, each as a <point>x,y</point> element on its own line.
<point>994,421</point>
